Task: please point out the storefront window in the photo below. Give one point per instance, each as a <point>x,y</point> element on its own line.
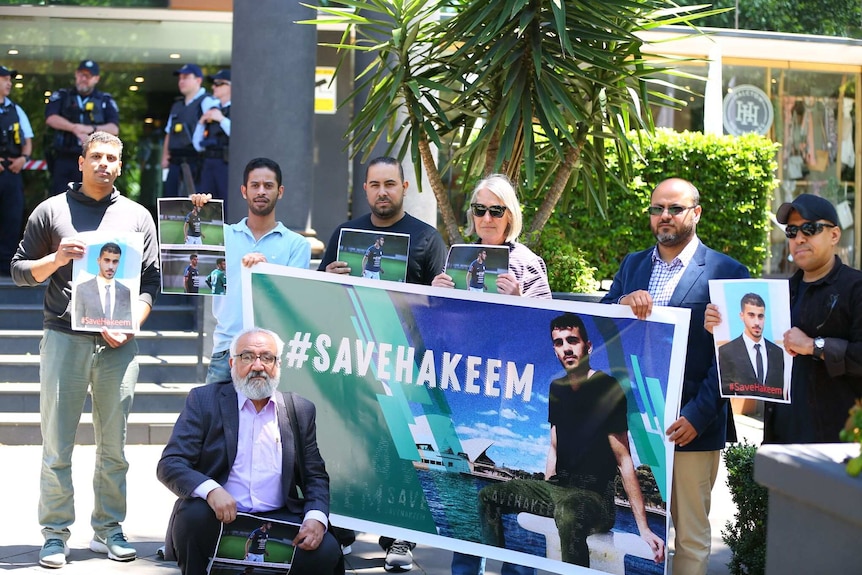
<point>815,124</point>
<point>814,120</point>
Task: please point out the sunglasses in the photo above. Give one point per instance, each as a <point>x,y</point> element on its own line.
<point>479,210</point>
<point>220,83</point>
<point>808,229</point>
<point>671,210</point>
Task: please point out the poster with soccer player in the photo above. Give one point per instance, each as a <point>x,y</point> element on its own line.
<point>374,255</point>
<point>458,422</point>
<point>475,267</point>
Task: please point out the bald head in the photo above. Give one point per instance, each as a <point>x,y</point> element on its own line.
<point>679,185</point>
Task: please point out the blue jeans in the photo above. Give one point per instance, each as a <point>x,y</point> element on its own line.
<point>69,365</point>
<point>219,369</point>
<point>463,564</point>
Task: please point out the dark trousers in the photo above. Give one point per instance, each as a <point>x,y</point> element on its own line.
<point>173,187</point>
<point>577,513</point>
<point>11,216</point>
<point>64,170</point>
<point>194,532</point>
<point>214,180</point>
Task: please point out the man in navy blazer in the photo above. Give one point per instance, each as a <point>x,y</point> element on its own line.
<point>737,362</point>
<point>675,272</point>
<point>208,462</point>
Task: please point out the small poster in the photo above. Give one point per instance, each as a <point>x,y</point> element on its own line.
<point>374,255</point>
<point>191,247</point>
<point>106,282</point>
<point>475,267</point>
<point>749,344</point>
<point>254,544</point>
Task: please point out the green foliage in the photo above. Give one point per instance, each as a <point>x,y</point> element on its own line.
<point>823,17</point>
<point>735,179</point>
<point>505,86</point>
<point>746,535</point>
<point>569,268</point>
<point>852,433</point>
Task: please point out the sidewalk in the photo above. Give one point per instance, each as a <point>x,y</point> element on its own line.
<point>150,504</point>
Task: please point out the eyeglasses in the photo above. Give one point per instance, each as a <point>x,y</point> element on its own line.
<point>808,229</point>
<point>479,210</point>
<point>247,358</point>
<point>221,83</point>
<point>671,210</point>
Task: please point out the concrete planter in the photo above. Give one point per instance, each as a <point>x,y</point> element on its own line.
<point>815,508</point>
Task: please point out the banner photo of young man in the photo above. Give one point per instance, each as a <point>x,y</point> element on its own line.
<point>531,431</point>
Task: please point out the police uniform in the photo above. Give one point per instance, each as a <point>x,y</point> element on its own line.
<point>180,129</point>
<point>213,139</point>
<point>15,130</point>
<point>96,109</point>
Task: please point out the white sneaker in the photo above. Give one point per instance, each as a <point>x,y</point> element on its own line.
<point>115,546</point>
<point>53,554</point>
<point>400,556</point>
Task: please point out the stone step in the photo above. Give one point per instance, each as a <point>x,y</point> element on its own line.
<point>161,368</point>
<point>143,428</point>
<point>149,398</point>
<point>30,317</point>
<point>21,342</point>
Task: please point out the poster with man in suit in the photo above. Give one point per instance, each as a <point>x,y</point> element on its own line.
<point>105,284</point>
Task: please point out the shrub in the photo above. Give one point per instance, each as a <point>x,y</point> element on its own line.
<point>746,536</point>
<point>735,176</point>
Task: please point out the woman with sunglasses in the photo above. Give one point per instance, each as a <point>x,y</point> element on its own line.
<point>495,217</point>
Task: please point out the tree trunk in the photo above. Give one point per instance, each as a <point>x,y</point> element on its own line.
<point>561,178</point>
<point>450,222</point>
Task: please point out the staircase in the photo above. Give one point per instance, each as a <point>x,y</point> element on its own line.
<point>172,355</point>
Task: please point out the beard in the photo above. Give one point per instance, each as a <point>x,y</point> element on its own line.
<point>260,210</point>
<point>388,210</point>
<point>681,235</point>
<point>256,384</point>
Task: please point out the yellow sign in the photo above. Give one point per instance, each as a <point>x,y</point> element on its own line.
<point>324,90</point>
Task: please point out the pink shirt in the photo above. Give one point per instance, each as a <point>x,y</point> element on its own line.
<point>255,478</point>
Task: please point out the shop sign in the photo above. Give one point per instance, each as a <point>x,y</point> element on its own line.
<point>747,109</point>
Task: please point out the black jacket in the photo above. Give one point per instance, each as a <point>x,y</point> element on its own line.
<point>822,391</point>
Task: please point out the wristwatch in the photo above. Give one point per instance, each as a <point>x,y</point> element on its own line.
<point>819,347</point>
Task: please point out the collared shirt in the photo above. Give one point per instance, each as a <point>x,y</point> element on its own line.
<point>206,104</point>
<point>665,276</point>
<point>26,129</point>
<point>169,123</point>
<point>254,480</point>
<point>752,353</point>
<point>279,245</point>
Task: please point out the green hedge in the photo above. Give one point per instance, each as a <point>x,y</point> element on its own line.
<point>746,534</point>
<point>735,176</point>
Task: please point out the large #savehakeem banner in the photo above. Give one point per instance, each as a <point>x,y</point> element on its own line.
<point>426,397</point>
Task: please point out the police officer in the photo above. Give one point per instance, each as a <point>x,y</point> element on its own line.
<point>179,146</point>
<point>212,136</point>
<point>16,144</point>
<point>74,114</point>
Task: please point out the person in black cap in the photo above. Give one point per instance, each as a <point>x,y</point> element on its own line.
<point>179,148</point>
<point>74,114</point>
<point>212,135</point>
<point>16,144</point>
<point>825,339</point>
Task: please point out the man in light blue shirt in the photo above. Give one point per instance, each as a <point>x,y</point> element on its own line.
<point>256,238</point>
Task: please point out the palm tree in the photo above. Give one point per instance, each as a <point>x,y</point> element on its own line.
<point>512,83</point>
